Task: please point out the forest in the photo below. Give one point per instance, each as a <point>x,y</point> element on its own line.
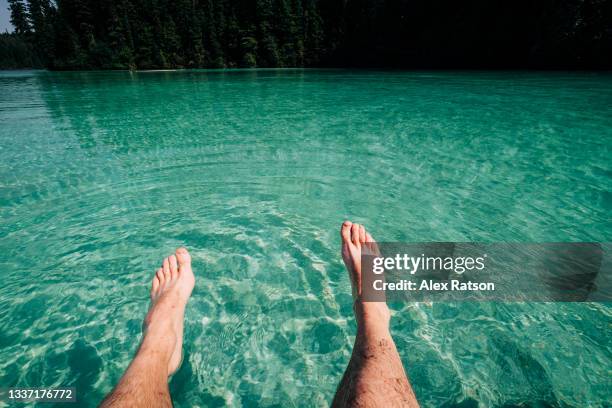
<point>164,34</point>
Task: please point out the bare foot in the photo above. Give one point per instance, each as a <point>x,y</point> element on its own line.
<point>354,240</point>
<point>375,376</point>
<point>170,291</point>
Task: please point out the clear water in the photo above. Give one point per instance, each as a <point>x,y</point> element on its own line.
<point>103,174</point>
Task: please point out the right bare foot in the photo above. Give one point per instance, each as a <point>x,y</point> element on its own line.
<point>368,314</point>
<point>170,291</point>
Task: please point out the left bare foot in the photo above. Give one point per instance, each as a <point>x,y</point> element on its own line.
<point>170,291</point>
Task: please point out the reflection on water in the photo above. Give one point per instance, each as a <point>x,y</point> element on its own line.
<point>103,174</point>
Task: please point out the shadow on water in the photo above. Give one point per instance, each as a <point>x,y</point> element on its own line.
<point>85,366</point>
<point>182,386</point>
<point>516,363</point>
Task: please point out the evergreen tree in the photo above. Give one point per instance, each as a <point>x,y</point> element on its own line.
<point>268,55</point>
<point>19,17</point>
<point>312,33</point>
<point>41,14</point>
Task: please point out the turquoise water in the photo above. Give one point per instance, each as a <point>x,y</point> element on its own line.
<point>103,174</point>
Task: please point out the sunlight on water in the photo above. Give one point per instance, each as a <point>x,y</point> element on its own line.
<point>103,174</point>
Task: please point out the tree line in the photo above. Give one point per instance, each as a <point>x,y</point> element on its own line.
<point>157,34</point>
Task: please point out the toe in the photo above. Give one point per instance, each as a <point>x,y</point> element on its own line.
<point>355,234</point>
<point>345,231</point>
<point>362,234</point>
<point>371,245</point>
<point>154,285</point>
<point>166,269</point>
<point>160,277</point>
<point>173,266</point>
<point>183,257</point>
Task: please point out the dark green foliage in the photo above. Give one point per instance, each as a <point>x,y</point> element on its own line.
<point>130,34</point>
<point>16,53</point>
<point>19,17</point>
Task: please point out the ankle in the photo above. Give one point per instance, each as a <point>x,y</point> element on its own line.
<point>372,317</point>
<point>159,337</point>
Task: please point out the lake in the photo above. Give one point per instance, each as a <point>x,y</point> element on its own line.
<point>105,173</point>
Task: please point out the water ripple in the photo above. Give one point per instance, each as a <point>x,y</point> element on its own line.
<point>105,173</point>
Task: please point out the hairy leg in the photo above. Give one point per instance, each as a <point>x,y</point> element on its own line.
<point>145,382</point>
<point>375,376</point>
